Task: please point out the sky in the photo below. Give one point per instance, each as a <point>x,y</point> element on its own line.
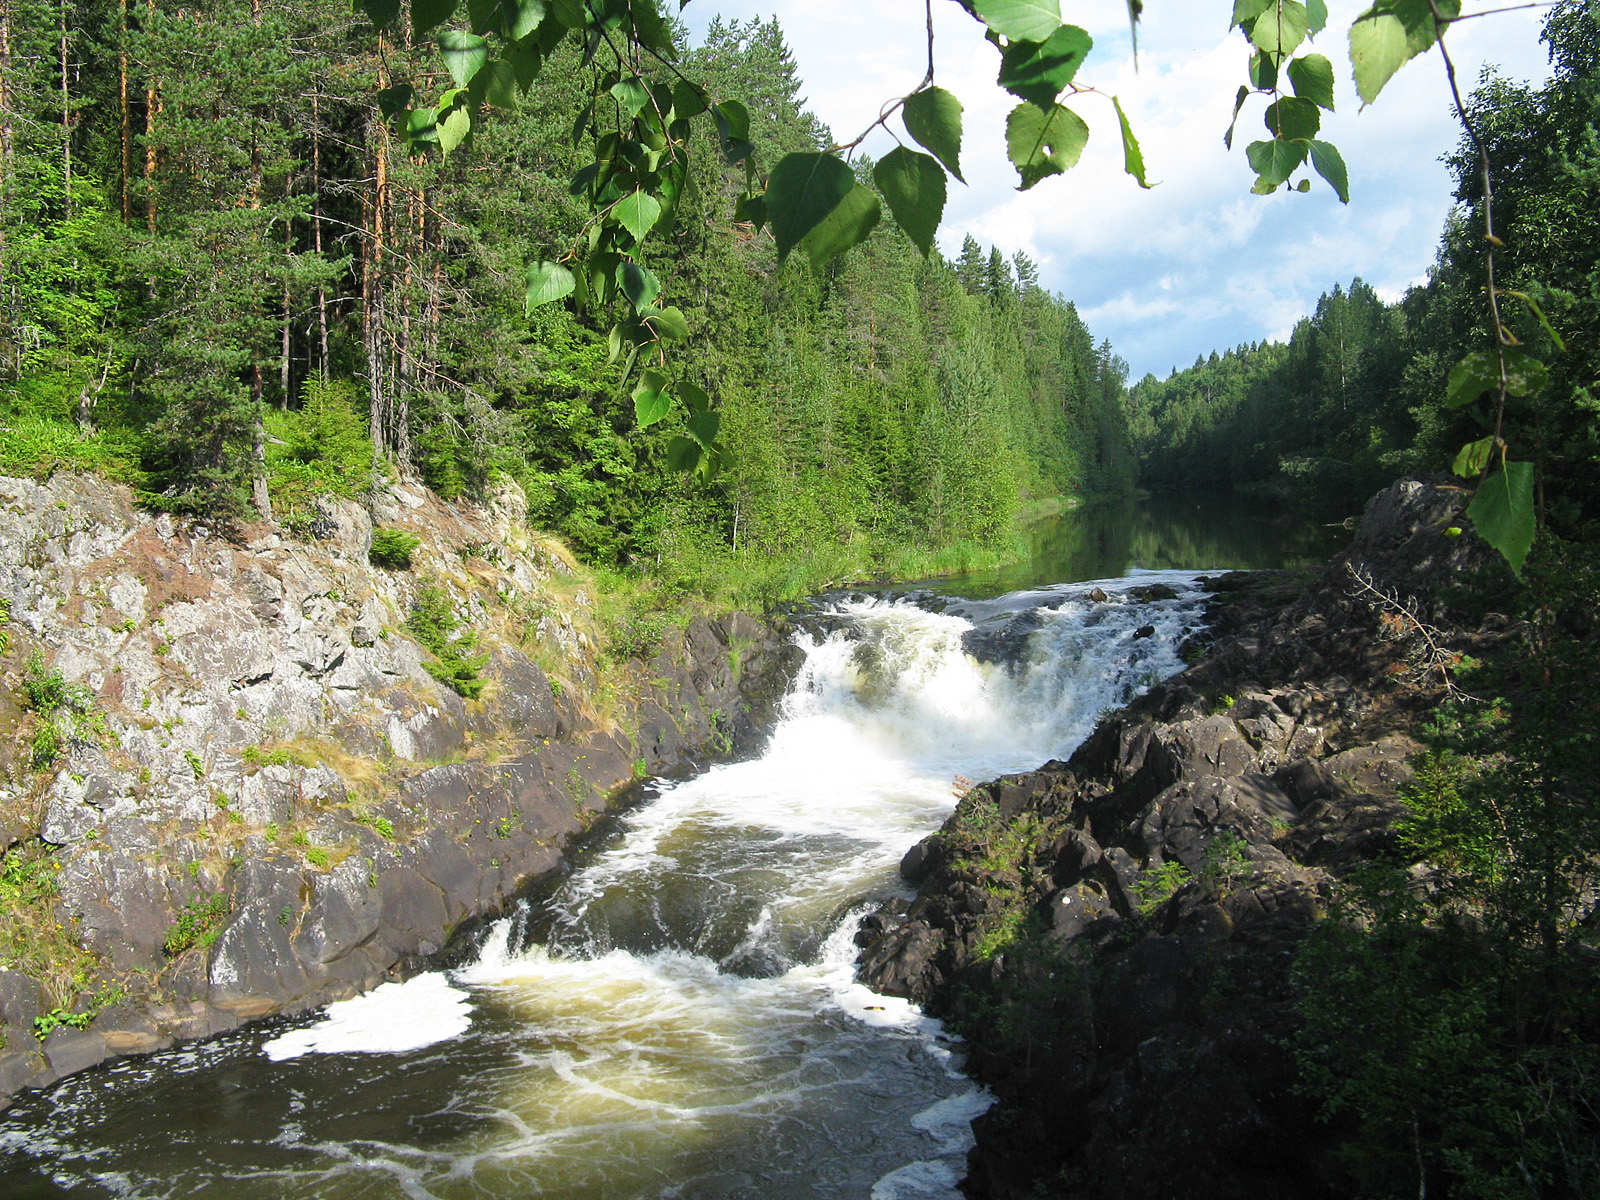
<point>1196,263</point>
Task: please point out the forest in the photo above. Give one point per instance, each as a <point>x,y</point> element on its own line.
<point>1353,399</point>
<point>227,280</point>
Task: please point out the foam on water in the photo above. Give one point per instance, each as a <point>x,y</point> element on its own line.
<point>691,1025</point>
<point>390,1019</point>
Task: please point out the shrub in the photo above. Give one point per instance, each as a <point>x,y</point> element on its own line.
<point>1156,888</point>
<point>393,548</point>
<point>198,924</point>
<point>431,622</point>
<point>65,710</point>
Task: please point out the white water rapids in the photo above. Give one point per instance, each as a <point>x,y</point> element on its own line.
<point>688,1024</point>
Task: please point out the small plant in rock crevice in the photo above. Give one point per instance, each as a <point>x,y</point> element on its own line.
<point>1160,885</point>
<point>393,548</point>
<point>66,711</point>
<point>199,923</point>
<point>431,623</point>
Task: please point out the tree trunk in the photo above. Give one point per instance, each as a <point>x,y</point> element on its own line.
<point>258,448</point>
<point>66,116</point>
<point>316,226</point>
<point>7,135</point>
<point>123,112</point>
<point>152,109</point>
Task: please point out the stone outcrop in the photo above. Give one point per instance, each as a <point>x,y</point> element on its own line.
<point>1115,933</point>
<point>273,804</point>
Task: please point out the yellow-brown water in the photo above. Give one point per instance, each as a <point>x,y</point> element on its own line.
<point>680,1018</point>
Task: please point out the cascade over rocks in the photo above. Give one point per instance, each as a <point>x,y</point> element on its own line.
<point>1114,933</point>
<point>271,762</point>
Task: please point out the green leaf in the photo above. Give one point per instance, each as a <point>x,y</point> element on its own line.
<point>632,95</point>
<point>683,454</point>
<point>1038,71</point>
<point>693,396</point>
<point>1502,512</point>
<point>1317,17</point>
<point>650,30</point>
<point>733,120</point>
<point>547,283</point>
<point>933,119</point>
<point>1312,79</point>
<point>430,14</point>
<point>381,12</point>
<point>1238,104</point>
<point>638,213</point>
<point>1132,156</point>
<point>1020,20</point>
<point>1329,163</point>
<point>665,325</point>
<point>1473,458</point>
<point>501,89</point>
<point>570,13</point>
<point>913,184</point>
<point>847,225</point>
<point>522,17</point>
<point>638,284</point>
<point>396,99</point>
<point>752,209</point>
<point>454,127</point>
<point>1246,11</point>
<point>1477,373</point>
<point>464,54</point>
<point>687,100</point>
<point>1525,374</point>
<point>1276,160</point>
<point>526,62</point>
<point>802,191</point>
<point>650,400</point>
<point>1041,143</point>
<point>1281,28</point>
<point>1263,72</point>
<point>1292,118</point>
<point>422,126</point>
<point>703,427</point>
<point>1387,36</point>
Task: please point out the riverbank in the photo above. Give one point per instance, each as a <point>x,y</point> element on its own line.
<point>242,774</point>
<point>1113,934</point>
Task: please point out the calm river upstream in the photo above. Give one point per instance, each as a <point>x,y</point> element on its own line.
<point>678,1018</point>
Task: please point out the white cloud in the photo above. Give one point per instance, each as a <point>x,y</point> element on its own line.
<point>1196,263</point>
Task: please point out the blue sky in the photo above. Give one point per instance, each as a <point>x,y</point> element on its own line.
<point>1196,263</point>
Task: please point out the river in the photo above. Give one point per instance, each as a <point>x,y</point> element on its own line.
<point>677,1018</point>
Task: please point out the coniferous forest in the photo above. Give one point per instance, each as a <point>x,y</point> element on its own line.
<point>1354,398</point>
<point>226,281</point>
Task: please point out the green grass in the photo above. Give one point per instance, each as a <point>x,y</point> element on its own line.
<point>198,924</point>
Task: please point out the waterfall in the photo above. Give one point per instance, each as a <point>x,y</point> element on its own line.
<point>680,1019</point>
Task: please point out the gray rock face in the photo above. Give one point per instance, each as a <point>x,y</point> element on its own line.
<point>1137,1035</point>
<point>272,743</point>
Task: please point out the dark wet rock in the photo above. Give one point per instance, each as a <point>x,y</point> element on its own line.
<point>1145,631</point>
<point>21,999</point>
<point>72,1050</point>
<point>1115,948</point>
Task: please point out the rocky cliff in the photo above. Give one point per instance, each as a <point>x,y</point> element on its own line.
<point>1115,933</point>
<point>230,785</point>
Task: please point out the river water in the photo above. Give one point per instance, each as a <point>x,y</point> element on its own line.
<point>678,1018</point>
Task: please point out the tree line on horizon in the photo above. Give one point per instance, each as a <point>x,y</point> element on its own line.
<point>226,278</point>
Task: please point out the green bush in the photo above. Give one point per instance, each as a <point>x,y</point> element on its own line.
<point>198,924</point>
<point>320,449</point>
<point>65,710</point>
<point>393,548</point>
<point>432,621</point>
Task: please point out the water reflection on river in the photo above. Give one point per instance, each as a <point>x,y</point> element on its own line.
<point>1187,531</point>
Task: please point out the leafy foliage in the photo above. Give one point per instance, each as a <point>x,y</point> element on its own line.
<point>199,923</point>
<point>393,548</point>
<point>432,622</point>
